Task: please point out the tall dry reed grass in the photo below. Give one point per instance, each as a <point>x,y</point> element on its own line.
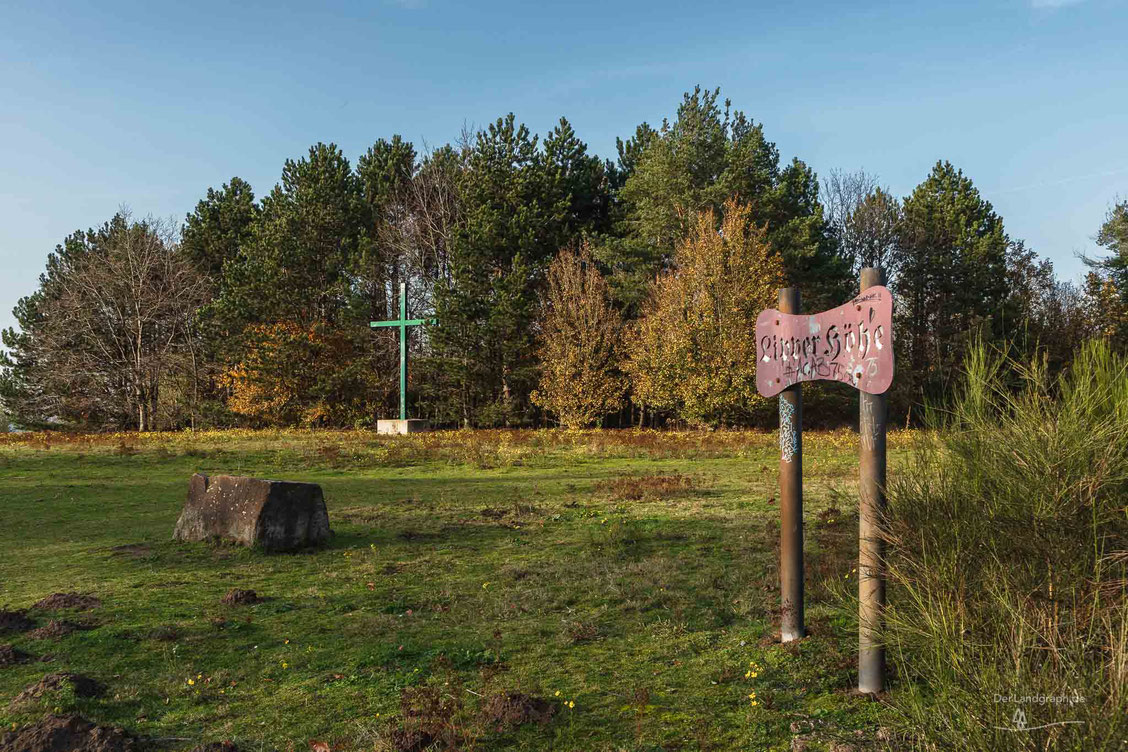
<point>1008,551</point>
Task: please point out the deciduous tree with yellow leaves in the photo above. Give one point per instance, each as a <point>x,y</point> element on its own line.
<point>581,335</point>
<point>307,375</point>
<point>693,352</point>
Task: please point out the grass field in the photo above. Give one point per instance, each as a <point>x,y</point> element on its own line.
<point>488,590</point>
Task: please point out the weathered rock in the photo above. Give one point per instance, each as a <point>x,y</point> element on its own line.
<point>273,514</point>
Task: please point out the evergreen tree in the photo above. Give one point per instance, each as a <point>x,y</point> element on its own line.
<point>385,173</point>
<point>289,300</point>
<point>1113,236</point>
<point>630,151</point>
<point>518,205</point>
<point>219,227</point>
<point>708,155</point>
<point>297,265</point>
<point>952,280</point>
<point>576,183</point>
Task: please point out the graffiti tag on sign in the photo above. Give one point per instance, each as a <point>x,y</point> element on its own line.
<point>852,343</point>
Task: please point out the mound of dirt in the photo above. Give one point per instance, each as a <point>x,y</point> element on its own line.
<point>239,597</point>
<point>57,628</point>
<point>67,733</point>
<point>15,621</point>
<point>506,711</point>
<point>411,740</point>
<point>9,656</point>
<point>83,686</point>
<point>135,550</point>
<point>76,601</point>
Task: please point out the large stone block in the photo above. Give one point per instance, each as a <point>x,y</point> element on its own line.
<point>402,427</point>
<point>274,514</point>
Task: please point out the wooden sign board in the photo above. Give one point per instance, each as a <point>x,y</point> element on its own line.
<point>852,343</point>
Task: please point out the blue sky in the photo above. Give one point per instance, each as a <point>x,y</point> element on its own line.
<point>148,104</point>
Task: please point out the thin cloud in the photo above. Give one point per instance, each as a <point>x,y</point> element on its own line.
<point>1042,4</point>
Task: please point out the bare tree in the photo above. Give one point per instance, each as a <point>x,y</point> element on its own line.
<point>864,218</point>
<point>420,223</point>
<point>115,323</point>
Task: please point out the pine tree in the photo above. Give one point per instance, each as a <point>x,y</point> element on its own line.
<point>1113,236</point>
<point>296,274</point>
<point>709,155</point>
<point>518,204</point>
<point>952,280</point>
<point>219,227</point>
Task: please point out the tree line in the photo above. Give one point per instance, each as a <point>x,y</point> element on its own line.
<point>567,288</point>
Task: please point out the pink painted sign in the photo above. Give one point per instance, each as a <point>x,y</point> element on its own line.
<point>852,343</point>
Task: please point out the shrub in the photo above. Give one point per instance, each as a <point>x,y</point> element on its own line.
<point>1007,552</point>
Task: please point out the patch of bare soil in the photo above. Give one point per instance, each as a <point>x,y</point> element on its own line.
<point>15,621</point>
<point>9,656</point>
<point>135,550</point>
<point>67,733</point>
<point>57,628</point>
<point>411,740</point>
<point>216,747</point>
<point>647,487</point>
<point>82,686</point>
<point>165,633</point>
<point>75,601</point>
<point>506,711</point>
<point>239,597</point>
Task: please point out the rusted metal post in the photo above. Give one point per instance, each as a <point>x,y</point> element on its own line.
<point>871,545</point>
<point>791,496</point>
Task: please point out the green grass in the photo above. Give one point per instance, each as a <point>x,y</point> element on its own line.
<point>468,563</point>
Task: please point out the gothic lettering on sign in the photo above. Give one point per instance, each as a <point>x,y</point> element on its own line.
<point>852,343</point>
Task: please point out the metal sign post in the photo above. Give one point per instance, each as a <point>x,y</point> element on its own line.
<point>871,512</point>
<point>852,343</point>
<point>791,496</point>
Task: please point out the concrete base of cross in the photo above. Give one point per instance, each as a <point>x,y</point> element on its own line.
<point>401,427</point>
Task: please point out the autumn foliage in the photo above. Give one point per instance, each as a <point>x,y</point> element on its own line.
<point>693,352</point>
<point>302,375</point>
<point>581,334</point>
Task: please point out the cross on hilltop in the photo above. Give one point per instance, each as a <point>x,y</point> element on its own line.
<point>402,322</point>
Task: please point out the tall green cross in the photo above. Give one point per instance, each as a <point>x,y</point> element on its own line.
<point>402,323</point>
